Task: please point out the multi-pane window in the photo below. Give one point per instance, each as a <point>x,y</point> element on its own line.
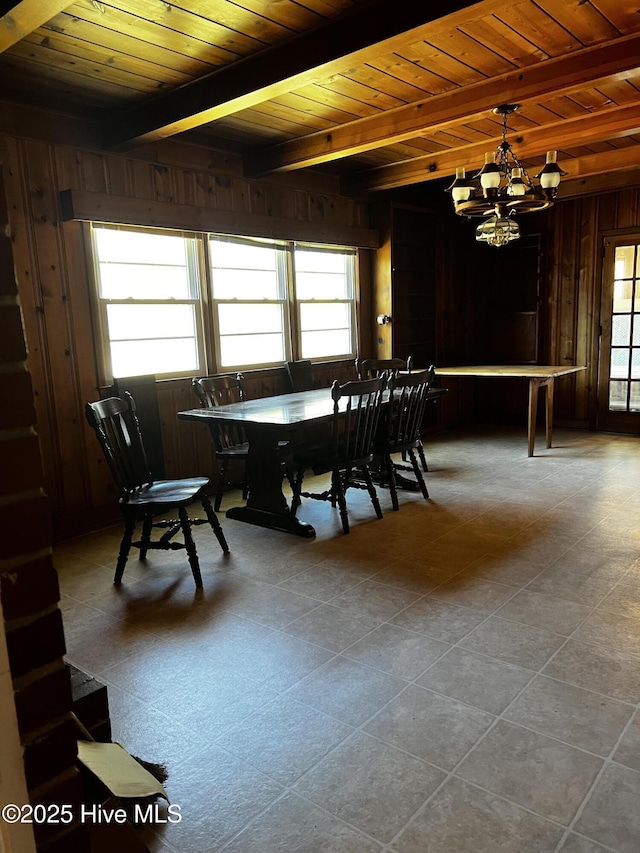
<point>149,297</point>
<point>249,289</point>
<point>269,301</point>
<point>624,386</point>
<point>324,296</point>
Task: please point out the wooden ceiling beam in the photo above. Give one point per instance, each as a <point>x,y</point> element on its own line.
<point>568,133</point>
<point>563,75</point>
<point>17,20</point>
<point>372,29</point>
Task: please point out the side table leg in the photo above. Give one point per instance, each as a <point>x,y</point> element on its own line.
<point>534,385</point>
<point>549,410</point>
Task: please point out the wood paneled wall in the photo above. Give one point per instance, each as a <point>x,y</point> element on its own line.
<point>54,290</point>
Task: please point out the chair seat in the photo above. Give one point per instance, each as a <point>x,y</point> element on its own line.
<point>168,492</point>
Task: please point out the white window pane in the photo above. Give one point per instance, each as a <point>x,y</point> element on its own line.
<point>134,358</point>
<point>323,316</point>
<point>228,254</point>
<point>139,322</point>
<point>140,281</point>
<point>239,350</point>
<point>321,286</point>
<point>140,247</point>
<point>620,330</point>
<point>617,396</point>
<point>238,319</point>
<point>619,364</point>
<point>624,259</point>
<point>326,343</point>
<point>245,284</point>
<point>308,260</point>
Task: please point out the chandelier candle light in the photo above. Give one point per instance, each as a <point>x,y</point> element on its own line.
<point>502,187</point>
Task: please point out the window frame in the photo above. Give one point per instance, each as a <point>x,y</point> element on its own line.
<point>102,303</point>
<point>207,335</point>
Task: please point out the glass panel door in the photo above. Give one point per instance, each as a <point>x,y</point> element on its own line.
<point>619,384</point>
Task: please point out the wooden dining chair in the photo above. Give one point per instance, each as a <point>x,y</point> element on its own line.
<point>300,375</point>
<point>372,368</point>
<point>348,445</point>
<point>368,368</point>
<point>141,497</point>
<point>399,430</point>
<point>229,439</point>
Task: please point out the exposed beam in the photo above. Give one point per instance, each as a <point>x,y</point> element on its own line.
<point>100,207</point>
<point>608,181</point>
<point>569,133</point>
<point>371,29</point>
<point>582,170</point>
<point>560,76</point>
<point>19,19</point>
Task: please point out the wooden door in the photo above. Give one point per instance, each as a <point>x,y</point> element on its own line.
<point>619,367</point>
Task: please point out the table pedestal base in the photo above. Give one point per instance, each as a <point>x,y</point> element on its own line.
<point>275,521</point>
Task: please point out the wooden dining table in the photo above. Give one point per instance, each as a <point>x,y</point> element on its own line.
<point>266,421</point>
<point>539,376</point>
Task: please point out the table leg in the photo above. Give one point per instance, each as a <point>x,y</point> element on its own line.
<point>549,410</point>
<point>267,505</point>
<point>534,385</point>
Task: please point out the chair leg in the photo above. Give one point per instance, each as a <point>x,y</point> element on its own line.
<point>297,488</point>
<point>147,525</point>
<point>423,458</point>
<point>224,464</point>
<point>215,524</point>
<point>125,546</point>
<point>338,493</point>
<point>366,473</point>
<point>190,545</point>
<point>391,476</point>
<point>418,473</point>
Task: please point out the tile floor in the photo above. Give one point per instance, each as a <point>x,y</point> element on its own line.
<point>462,676</point>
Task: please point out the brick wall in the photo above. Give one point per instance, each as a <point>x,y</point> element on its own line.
<point>29,592</point>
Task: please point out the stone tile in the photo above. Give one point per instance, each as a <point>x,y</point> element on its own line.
<point>375,600</point>
<point>430,726</point>
<point>628,751</point>
<point>322,581</point>
<point>604,669</point>
<point>404,654</point>
<point>611,816</point>
<point>461,818</point>
<point>279,661</point>
<point>218,795</point>
<point>269,605</point>
<point>611,629</point>
<point>513,642</point>
<point>563,585</point>
<point>532,770</point>
<point>543,611</point>
<point>573,715</point>
<point>506,570</point>
<point>284,738</point>
<point>465,590</point>
<point>372,786</point>
<point>347,690</point>
<point>624,598</point>
<point>480,681</point>
<point>294,825</point>
<point>333,628</point>
<point>437,619</point>
<point>414,574</point>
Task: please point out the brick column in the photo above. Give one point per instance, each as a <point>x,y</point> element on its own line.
<point>29,591</point>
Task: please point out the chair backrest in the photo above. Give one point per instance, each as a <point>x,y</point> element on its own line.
<point>118,431</point>
<point>356,409</point>
<point>300,375</point>
<point>221,390</point>
<point>144,392</point>
<point>372,368</point>
<point>406,407</point>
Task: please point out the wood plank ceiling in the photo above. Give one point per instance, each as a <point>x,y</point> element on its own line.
<point>386,93</point>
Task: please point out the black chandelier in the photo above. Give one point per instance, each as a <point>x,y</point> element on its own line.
<point>503,188</point>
